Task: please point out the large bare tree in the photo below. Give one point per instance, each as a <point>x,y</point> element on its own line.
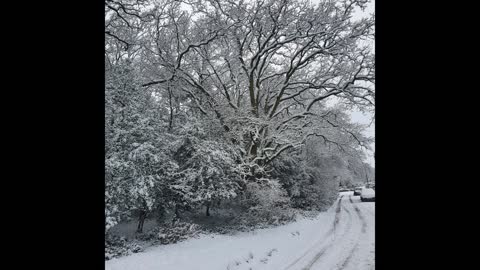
<point>263,69</point>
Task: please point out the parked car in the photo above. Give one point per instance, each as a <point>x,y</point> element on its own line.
<point>357,191</point>
<point>367,195</point>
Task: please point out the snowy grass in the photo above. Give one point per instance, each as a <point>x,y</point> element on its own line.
<point>128,229</point>
<point>267,249</point>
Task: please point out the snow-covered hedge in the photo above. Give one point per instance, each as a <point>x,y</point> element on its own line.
<point>116,246</point>
<point>264,205</point>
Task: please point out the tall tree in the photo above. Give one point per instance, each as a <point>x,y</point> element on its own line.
<point>264,68</point>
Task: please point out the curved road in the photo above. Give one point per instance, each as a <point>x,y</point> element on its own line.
<point>350,242</point>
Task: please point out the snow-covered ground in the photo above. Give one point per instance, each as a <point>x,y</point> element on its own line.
<point>341,238</point>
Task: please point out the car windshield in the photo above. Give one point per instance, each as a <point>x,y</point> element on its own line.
<point>368,191</point>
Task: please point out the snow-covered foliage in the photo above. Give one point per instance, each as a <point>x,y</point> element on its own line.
<point>265,204</point>
<point>176,232</point>
<point>208,170</point>
<point>116,246</point>
<point>312,174</point>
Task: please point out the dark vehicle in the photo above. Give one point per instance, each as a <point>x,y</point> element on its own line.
<point>357,191</point>
<point>367,195</point>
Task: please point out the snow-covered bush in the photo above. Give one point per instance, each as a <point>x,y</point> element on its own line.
<point>169,233</point>
<point>138,166</point>
<point>117,201</point>
<point>316,192</point>
<point>208,170</point>
<point>264,204</point>
<point>310,177</point>
<point>116,246</point>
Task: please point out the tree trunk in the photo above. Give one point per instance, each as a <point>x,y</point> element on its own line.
<point>141,220</point>
<point>208,209</point>
<point>170,122</point>
<point>177,214</point>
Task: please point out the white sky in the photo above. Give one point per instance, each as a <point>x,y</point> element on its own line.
<point>359,117</point>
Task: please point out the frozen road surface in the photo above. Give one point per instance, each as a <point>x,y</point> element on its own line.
<point>342,238</point>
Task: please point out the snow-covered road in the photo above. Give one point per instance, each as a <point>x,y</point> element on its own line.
<point>349,244</point>
<point>341,238</point>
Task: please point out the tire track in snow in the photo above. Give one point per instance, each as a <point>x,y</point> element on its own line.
<point>328,246</point>
<point>369,258</point>
<point>347,234</point>
<point>360,215</point>
<point>348,225</point>
<point>337,213</point>
<point>347,260</point>
<point>365,206</point>
<point>324,236</point>
<point>349,257</point>
<point>368,210</point>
